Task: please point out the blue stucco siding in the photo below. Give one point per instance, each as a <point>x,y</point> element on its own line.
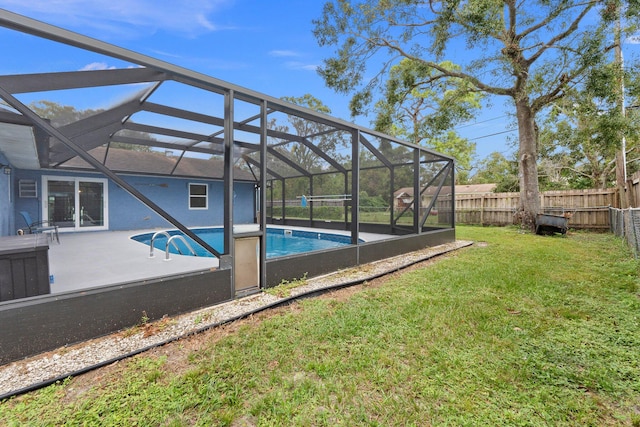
<point>6,201</point>
<point>31,205</point>
<point>172,195</point>
<point>127,213</point>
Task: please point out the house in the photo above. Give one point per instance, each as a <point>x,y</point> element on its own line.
<point>76,198</point>
<point>403,198</point>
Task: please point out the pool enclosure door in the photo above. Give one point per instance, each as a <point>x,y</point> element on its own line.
<point>75,203</point>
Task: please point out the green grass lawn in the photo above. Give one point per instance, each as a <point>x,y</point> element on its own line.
<point>520,330</point>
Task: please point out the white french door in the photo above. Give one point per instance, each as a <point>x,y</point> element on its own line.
<point>75,203</point>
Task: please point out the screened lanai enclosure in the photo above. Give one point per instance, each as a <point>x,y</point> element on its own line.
<point>133,144</point>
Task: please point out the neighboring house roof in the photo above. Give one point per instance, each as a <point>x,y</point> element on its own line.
<point>475,188</point>
<point>402,192</point>
<point>155,163</point>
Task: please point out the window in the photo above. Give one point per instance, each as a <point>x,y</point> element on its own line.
<point>28,188</point>
<point>198,196</point>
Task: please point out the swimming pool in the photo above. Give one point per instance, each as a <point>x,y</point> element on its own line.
<point>280,242</point>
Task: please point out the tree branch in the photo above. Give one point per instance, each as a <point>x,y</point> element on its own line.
<point>445,72</point>
<point>512,17</point>
<point>565,79</point>
<point>573,27</point>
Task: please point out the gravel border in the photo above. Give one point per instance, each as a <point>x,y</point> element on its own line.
<point>43,369</point>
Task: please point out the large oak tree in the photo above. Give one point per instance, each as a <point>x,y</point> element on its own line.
<point>529,52</point>
<point>419,109</point>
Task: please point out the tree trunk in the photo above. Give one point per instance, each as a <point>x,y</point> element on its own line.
<point>621,179</point>
<point>529,204</point>
<point>621,166</point>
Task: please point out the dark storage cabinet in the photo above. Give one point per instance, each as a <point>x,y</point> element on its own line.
<point>24,266</point>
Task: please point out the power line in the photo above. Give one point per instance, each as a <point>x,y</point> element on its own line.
<point>483,121</point>
<point>493,134</point>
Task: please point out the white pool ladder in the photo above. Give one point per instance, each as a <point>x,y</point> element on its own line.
<point>170,240</point>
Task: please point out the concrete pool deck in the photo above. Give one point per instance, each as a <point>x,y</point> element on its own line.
<point>86,260</point>
<point>92,259</point>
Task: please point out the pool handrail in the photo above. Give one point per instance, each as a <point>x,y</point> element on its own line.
<point>153,238</point>
<point>171,240</point>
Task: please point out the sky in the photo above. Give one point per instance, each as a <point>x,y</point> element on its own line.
<point>266,46</point>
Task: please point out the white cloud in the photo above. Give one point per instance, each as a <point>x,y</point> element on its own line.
<point>97,66</point>
<point>283,53</point>
<point>293,65</point>
<point>205,23</point>
<point>123,17</point>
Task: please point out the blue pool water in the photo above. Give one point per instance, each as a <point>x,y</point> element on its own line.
<point>280,242</point>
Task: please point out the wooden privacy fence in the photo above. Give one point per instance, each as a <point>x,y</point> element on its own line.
<point>589,209</point>
<point>633,186</point>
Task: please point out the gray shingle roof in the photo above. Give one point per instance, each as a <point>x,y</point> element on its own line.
<point>155,163</point>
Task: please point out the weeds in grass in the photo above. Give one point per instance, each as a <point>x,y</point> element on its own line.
<point>526,330</point>
<point>283,289</point>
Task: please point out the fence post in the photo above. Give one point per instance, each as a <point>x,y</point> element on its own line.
<point>633,203</point>
<point>482,210</point>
